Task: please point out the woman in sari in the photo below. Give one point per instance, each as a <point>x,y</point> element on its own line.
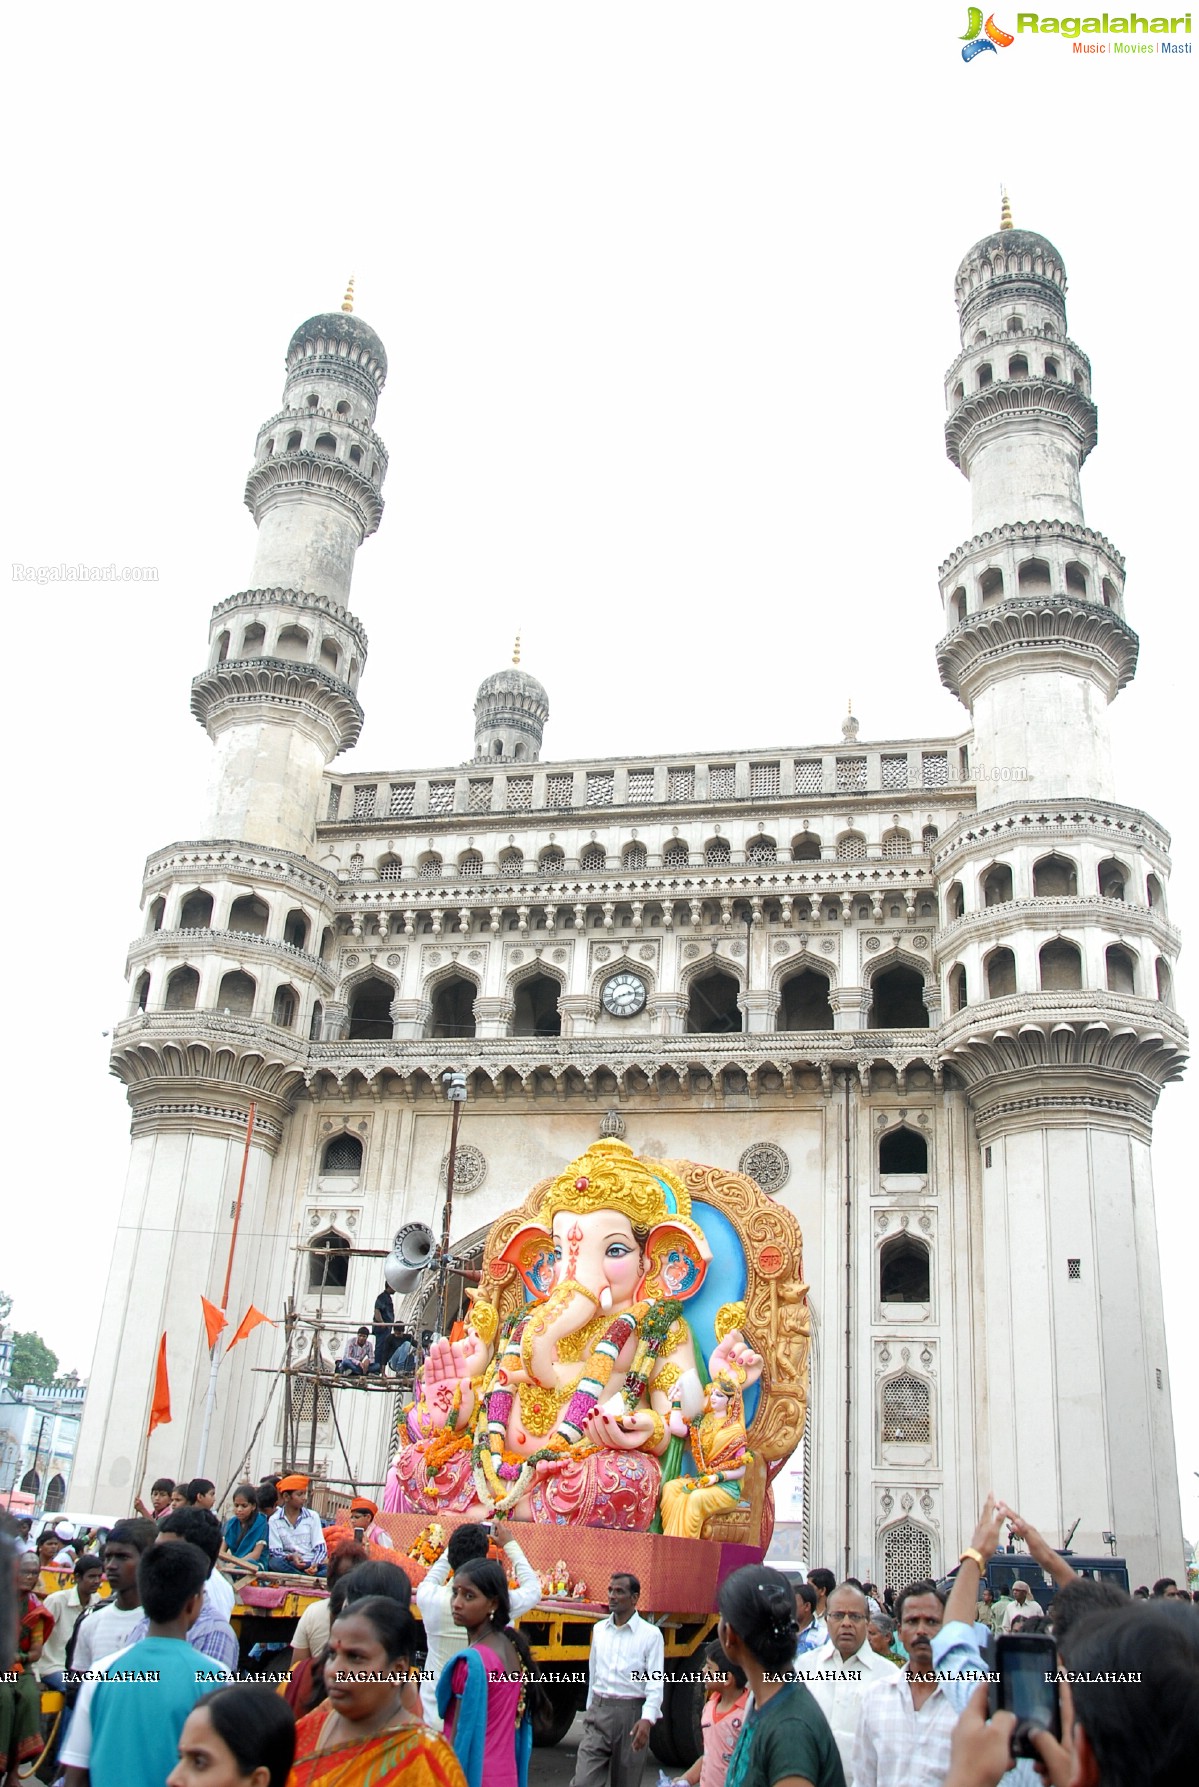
<point>484,1694</point>
<point>20,1696</point>
<point>363,1735</point>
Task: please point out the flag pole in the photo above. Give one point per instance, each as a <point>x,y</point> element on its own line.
<point>215,1355</point>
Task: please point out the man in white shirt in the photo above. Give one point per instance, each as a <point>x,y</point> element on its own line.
<point>67,1605</point>
<point>106,1626</point>
<point>434,1594</point>
<point>906,1723</point>
<point>624,1692</point>
<point>1021,1606</point>
<point>838,1673</point>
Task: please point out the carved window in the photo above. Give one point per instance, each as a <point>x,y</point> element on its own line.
<point>343,1154</point>
<point>357,863</point>
<point>634,856</point>
<point>851,774</point>
<point>806,847</point>
<point>334,801</point>
<point>717,853</point>
<point>470,868</point>
<point>641,786</point>
<point>896,843</point>
<point>512,862</point>
<point>235,996</point>
<point>934,768</point>
<point>928,838</point>
<point>599,788</point>
<point>675,855</point>
<point>903,1270</point>
<point>552,862</point>
<point>310,1401</point>
<point>559,791</point>
<point>851,848</point>
<point>441,797</point>
<point>680,784</point>
<point>391,868</point>
<point>592,858</point>
<point>329,1262</point>
<point>903,1150</point>
<point>808,776</point>
<point>520,794</point>
<point>907,1554</point>
<point>285,1007</point>
<point>402,799</point>
<point>430,868</point>
<point>763,781</point>
<point>761,851</point>
<point>479,799</point>
<point>906,1411</point>
<point>722,781</point>
<point>895,772</point>
<point>364,802</point>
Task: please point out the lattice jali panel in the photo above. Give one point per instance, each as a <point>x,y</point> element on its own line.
<point>403,799</point>
<point>764,780</point>
<point>680,784</point>
<point>808,777</point>
<point>907,1410</point>
<point>599,789</point>
<point>592,859</point>
<point>520,794</point>
<point>717,852</point>
<point>479,798</point>
<point>559,791</point>
<point>641,785</point>
<point>675,856</point>
<point>364,802</point>
<point>851,774</point>
<point>895,772</point>
<point>907,1554</point>
<point>441,797</point>
<point>722,783</point>
<point>934,769</point>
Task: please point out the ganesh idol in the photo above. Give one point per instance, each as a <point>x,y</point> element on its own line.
<point>563,1410</point>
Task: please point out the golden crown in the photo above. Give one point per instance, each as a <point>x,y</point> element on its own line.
<point>611,1177</point>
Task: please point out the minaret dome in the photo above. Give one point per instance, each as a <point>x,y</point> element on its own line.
<point>511,710</point>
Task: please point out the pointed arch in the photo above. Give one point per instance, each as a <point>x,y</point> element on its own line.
<point>623,964</point>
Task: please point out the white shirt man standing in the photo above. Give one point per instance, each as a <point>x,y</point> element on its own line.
<point>907,1720</point>
<point>434,1595</point>
<point>1021,1606</point>
<point>838,1673</point>
<point>624,1692</point>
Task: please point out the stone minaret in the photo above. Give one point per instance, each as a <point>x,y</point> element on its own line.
<point>511,709</point>
<point>232,972</point>
<point>1055,953</point>
<point>1035,600</point>
<point>279,698</point>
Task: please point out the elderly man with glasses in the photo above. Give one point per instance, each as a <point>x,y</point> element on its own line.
<point>839,1672</point>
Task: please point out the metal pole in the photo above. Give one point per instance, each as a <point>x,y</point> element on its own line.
<point>215,1357</point>
<point>443,1269</point>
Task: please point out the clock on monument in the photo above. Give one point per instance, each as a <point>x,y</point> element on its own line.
<point>623,995</point>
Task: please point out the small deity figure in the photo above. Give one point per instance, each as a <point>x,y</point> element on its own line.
<point>579,1591</point>
<point>719,1447</point>
<point>561,1577</point>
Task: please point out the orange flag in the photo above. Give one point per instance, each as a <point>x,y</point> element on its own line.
<point>249,1322</point>
<point>160,1408</point>
<point>214,1320</point>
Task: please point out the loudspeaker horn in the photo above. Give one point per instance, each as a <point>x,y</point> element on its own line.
<point>412,1250</point>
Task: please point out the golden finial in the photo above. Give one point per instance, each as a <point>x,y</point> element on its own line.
<point>347,302</point>
<point>516,650</point>
<point>1005,211</point>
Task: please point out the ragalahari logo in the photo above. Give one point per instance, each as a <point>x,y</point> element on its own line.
<point>978,37</point>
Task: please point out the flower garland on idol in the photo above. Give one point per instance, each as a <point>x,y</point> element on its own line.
<point>501,1477</point>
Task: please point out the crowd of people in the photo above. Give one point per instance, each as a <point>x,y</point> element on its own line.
<point>825,1682</point>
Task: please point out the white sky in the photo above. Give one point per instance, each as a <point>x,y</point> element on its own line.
<point>667,295</point>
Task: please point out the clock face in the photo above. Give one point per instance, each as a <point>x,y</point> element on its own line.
<point>624,995</point>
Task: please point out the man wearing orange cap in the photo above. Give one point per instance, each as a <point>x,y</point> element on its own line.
<point>295,1542</point>
<point>357,1525</point>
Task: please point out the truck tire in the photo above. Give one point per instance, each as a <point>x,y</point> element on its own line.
<point>683,1706</point>
<point>562,1704</point>
<point>661,1738</point>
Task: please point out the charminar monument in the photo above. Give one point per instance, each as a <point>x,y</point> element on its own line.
<point>919,988</point>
